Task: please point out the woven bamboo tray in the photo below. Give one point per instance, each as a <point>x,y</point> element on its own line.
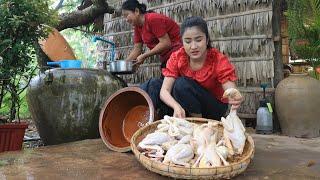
<point>236,166</point>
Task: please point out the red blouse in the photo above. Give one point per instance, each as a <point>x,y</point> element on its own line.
<point>155,26</point>
<point>216,70</point>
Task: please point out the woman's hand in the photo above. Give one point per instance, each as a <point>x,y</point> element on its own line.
<point>179,112</point>
<point>166,97</point>
<point>235,102</point>
<point>140,59</point>
<point>234,96</point>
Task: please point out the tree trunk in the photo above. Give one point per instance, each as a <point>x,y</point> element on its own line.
<point>85,16</point>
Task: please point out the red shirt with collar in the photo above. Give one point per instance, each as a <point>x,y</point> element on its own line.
<point>216,71</point>
<point>155,26</point>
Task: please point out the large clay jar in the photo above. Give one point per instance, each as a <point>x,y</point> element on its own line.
<point>297,101</point>
<point>65,103</point>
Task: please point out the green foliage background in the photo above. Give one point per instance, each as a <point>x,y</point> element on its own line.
<point>24,14</point>
<point>304,24</point>
<point>22,23</point>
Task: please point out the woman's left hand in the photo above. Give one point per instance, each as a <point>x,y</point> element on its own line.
<point>140,59</point>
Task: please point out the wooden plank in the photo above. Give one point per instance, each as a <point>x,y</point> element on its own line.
<point>263,36</point>
<point>246,59</point>
<point>255,89</point>
<point>122,47</point>
<point>150,64</point>
<point>118,33</point>
<point>238,14</point>
<point>249,116</point>
<point>276,31</point>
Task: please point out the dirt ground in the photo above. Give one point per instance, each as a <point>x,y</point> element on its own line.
<point>276,157</point>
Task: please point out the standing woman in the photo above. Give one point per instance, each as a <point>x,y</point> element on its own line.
<point>197,75</point>
<point>160,33</point>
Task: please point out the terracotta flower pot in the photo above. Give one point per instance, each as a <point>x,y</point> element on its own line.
<point>11,136</point>
<point>123,114</point>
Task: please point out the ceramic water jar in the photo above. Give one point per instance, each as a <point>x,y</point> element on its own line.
<point>297,101</point>
<point>65,103</point>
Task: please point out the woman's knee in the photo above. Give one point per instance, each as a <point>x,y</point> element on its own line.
<point>181,84</point>
<point>153,84</point>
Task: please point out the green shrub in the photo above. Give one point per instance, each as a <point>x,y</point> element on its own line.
<point>304,24</point>
<point>22,23</point>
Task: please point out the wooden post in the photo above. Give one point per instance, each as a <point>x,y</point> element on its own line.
<point>278,64</point>
<point>276,29</point>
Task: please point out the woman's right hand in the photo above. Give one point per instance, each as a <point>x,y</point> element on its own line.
<point>179,112</point>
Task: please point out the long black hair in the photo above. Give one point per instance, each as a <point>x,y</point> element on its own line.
<point>132,5</point>
<point>196,21</point>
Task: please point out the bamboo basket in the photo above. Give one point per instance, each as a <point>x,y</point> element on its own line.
<point>236,166</point>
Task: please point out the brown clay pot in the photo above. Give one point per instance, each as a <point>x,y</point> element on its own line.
<point>123,114</point>
<point>297,101</point>
<point>56,47</point>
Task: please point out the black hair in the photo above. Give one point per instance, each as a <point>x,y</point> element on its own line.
<point>132,5</point>
<point>198,22</point>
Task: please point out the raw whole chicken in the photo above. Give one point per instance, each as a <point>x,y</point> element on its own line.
<point>181,153</point>
<point>211,156</point>
<point>202,135</point>
<point>175,127</point>
<point>153,142</point>
<point>234,131</point>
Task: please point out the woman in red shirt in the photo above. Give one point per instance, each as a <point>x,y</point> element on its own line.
<point>160,33</point>
<point>196,76</point>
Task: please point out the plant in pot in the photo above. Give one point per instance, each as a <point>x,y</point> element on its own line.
<point>21,25</point>
<point>304,31</point>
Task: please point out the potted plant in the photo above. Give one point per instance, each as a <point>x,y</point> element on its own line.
<point>21,25</point>
<point>304,31</point>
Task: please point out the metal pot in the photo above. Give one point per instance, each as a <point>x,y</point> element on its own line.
<point>122,67</point>
<point>117,66</point>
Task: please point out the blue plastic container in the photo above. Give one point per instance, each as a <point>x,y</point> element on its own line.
<point>67,63</point>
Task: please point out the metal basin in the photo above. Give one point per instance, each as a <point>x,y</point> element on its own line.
<point>122,67</point>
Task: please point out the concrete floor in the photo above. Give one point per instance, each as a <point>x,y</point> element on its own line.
<point>276,157</point>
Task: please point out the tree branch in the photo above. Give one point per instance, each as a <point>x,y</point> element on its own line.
<point>85,16</point>
<point>59,5</point>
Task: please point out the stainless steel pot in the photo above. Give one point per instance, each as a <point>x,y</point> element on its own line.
<point>122,67</point>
